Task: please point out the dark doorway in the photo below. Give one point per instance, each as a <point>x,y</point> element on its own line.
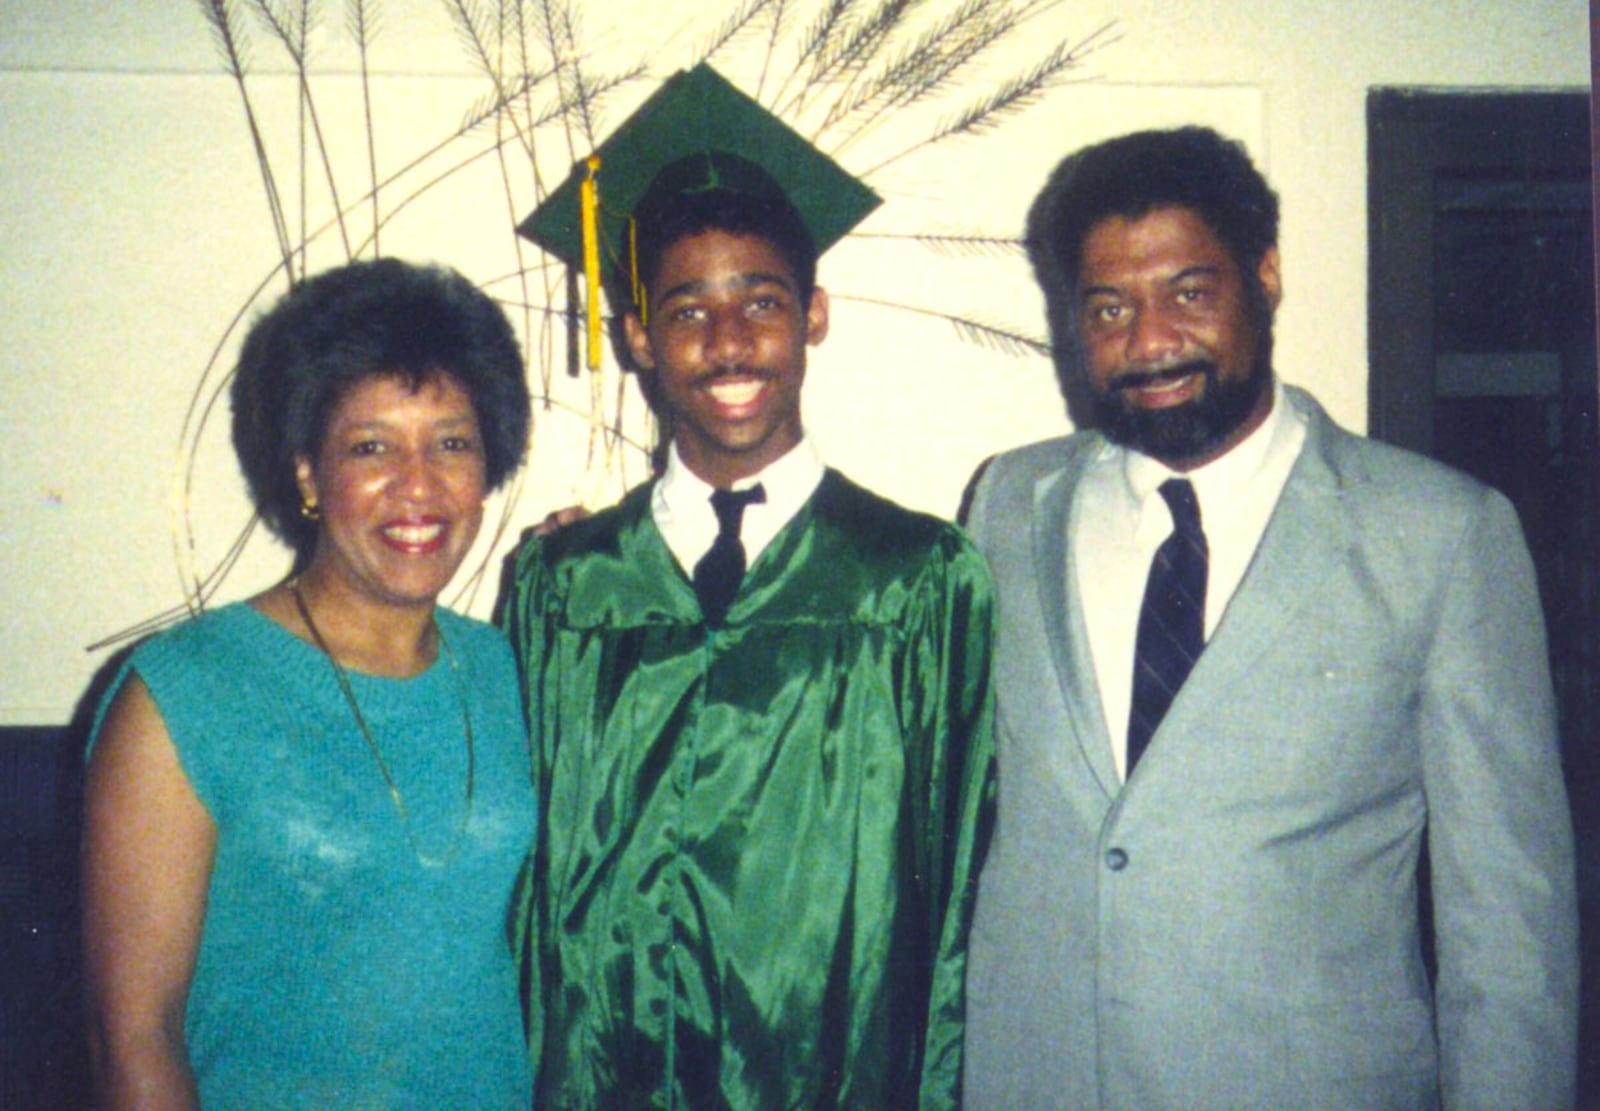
<point>1482,341</point>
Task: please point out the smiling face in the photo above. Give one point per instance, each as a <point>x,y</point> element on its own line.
<point>399,486</point>
<point>1177,354</point>
<point>726,342</point>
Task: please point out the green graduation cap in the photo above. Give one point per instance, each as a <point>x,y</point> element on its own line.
<point>697,132</point>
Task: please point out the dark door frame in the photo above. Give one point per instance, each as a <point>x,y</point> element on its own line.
<point>1414,137</point>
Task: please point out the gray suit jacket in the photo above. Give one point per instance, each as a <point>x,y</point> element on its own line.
<point>1237,926</point>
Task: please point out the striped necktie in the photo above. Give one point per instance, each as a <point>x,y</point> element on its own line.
<point>1172,619</point>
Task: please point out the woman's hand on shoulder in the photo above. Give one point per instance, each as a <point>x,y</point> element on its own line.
<point>558,519</point>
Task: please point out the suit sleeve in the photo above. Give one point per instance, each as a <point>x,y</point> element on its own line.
<point>1499,832</point>
<point>948,708</point>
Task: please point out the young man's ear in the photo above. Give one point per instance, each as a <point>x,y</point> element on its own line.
<point>638,342</point>
<point>817,317</point>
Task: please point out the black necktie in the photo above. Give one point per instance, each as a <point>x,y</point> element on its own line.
<point>717,575</point>
<point>1172,620</point>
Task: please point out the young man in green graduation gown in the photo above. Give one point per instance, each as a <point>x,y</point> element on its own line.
<point>758,693</point>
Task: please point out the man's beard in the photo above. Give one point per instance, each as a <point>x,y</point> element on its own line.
<point>1193,429</point>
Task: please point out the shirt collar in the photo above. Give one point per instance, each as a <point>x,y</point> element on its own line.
<point>681,504</point>
<point>789,480</point>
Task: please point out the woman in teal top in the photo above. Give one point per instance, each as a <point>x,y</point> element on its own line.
<point>306,812</point>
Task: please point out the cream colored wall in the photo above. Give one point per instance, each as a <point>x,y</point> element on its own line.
<point>135,231</point>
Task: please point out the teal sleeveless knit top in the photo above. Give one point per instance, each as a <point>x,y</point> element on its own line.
<point>350,958</point>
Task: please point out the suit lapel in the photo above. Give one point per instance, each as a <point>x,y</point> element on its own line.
<point>1307,538</point>
<point>1062,617</point>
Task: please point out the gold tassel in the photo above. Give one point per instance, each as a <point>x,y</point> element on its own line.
<point>589,207</point>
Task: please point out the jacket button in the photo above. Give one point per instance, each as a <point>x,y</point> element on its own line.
<point>1116,859</point>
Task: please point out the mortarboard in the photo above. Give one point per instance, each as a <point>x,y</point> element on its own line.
<point>680,139</point>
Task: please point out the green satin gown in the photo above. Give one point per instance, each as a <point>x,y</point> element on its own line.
<point>760,842</point>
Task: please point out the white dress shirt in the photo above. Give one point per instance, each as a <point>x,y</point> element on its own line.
<point>681,504</point>
<point>1120,520</point>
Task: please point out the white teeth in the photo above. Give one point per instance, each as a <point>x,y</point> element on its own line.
<point>735,392</point>
<point>1167,385</point>
<point>413,534</point>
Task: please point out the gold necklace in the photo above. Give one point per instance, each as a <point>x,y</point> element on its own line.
<point>372,745</point>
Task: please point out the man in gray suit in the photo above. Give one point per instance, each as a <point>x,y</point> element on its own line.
<point>1248,666</point>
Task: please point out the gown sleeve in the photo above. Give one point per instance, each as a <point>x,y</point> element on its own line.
<point>521,616</point>
<point>949,712</point>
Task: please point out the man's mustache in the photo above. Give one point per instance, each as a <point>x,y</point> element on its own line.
<point>1139,379</point>
<point>716,374</point>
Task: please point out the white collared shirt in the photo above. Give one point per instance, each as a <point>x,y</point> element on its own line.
<point>681,504</point>
<point>1121,520</point>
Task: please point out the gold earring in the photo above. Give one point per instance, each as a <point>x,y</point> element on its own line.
<point>308,510</point>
